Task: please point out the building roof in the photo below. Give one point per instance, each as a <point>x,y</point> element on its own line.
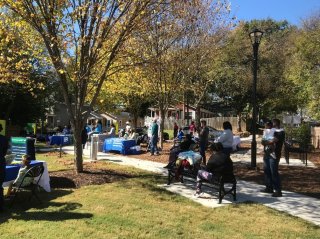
<point>95,115</point>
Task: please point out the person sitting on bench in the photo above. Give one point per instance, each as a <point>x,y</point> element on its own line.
<point>183,146</point>
<point>25,166</point>
<point>218,165</point>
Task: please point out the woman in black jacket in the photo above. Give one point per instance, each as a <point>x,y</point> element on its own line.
<point>219,164</point>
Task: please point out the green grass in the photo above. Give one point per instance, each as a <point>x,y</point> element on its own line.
<point>138,208</point>
<point>54,162</point>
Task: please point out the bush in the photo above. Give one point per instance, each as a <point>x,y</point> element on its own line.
<point>300,134</point>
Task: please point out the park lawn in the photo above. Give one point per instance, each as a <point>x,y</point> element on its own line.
<point>137,208</point>
<point>54,162</point>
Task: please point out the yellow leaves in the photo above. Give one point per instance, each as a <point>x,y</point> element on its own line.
<point>61,71</point>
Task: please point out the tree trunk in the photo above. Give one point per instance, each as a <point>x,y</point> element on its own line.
<point>9,109</point>
<point>198,112</point>
<point>135,121</point>
<point>239,122</point>
<point>78,160</point>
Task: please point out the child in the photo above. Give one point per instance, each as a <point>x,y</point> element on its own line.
<point>267,138</point>
<point>26,160</point>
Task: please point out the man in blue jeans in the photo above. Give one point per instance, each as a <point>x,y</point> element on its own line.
<point>3,152</point>
<point>271,161</point>
<point>203,140</point>
<point>154,138</point>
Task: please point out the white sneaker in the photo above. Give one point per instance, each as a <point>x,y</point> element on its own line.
<point>198,194</point>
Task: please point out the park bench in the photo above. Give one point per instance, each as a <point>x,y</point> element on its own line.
<point>293,146</point>
<point>217,184</point>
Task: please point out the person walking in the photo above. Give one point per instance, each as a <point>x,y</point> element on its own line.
<point>154,138</point>
<point>84,136</point>
<point>271,160</point>
<point>3,152</point>
<point>203,140</point>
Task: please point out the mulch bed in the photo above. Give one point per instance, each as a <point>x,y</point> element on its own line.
<point>302,179</point>
<point>92,175</point>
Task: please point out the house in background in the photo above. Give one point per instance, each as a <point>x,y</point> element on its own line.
<point>119,120</point>
<point>59,117</point>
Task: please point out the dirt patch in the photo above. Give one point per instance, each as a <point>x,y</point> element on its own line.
<point>302,180</point>
<point>93,174</point>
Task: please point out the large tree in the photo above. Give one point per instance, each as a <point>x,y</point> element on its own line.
<point>272,85</point>
<point>24,80</point>
<point>303,68</point>
<point>203,43</point>
<point>83,39</point>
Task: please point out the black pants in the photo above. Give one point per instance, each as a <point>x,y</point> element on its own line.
<point>2,177</point>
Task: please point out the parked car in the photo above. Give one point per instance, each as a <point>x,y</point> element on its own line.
<point>214,133</point>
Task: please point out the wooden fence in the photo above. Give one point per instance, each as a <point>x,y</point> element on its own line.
<point>315,137</point>
<point>215,122</point>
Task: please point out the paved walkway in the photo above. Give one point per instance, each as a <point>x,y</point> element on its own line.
<point>305,207</point>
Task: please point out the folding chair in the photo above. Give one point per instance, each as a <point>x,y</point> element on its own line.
<point>34,172</point>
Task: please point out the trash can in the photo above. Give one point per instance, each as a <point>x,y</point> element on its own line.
<point>102,138</point>
<point>94,147</point>
<point>21,146</point>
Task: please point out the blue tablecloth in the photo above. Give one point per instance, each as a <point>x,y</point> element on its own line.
<point>118,144</point>
<point>60,140</point>
<point>12,170</point>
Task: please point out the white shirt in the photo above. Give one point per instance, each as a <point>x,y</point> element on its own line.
<point>226,138</point>
<point>128,127</point>
<point>268,134</point>
<point>112,131</point>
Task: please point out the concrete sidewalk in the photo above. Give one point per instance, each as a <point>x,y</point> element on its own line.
<point>305,207</point>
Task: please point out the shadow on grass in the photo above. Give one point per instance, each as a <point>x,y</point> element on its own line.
<point>58,211</point>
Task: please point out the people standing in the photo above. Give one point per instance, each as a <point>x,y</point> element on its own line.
<point>112,131</point>
<point>175,130</point>
<point>3,152</point>
<point>98,128</point>
<point>226,139</point>
<point>154,138</point>
<point>203,140</point>
<point>84,136</point>
<point>192,128</point>
<point>128,126</point>
<point>271,160</point>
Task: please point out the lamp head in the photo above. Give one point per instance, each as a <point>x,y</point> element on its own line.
<point>255,36</point>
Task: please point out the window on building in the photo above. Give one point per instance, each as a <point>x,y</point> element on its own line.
<point>188,115</point>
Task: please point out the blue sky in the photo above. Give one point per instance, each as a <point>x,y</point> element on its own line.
<point>291,10</point>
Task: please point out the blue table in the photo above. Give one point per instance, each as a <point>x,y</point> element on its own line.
<point>12,170</point>
<point>61,140</point>
<point>118,144</point>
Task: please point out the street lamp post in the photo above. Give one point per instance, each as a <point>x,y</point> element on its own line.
<point>255,37</point>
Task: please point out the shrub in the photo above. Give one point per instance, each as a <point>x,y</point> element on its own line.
<point>301,134</point>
